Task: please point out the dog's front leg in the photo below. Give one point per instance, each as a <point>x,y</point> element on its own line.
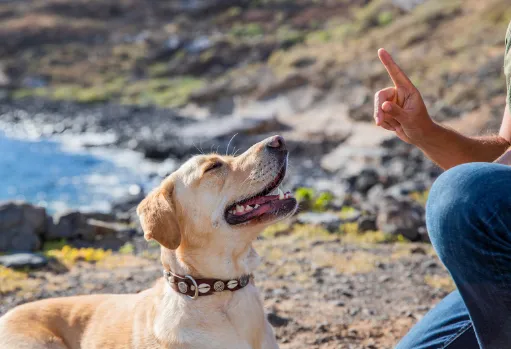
<point>269,341</point>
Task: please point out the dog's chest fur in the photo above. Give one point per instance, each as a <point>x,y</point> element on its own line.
<point>231,320</point>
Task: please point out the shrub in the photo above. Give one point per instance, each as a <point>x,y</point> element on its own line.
<point>309,199</point>
<point>127,248</point>
<point>69,255</point>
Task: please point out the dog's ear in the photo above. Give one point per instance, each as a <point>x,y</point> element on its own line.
<point>158,216</point>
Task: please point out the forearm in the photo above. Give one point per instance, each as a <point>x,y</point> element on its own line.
<point>449,148</point>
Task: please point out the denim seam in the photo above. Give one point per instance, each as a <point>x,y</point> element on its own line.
<point>456,335</point>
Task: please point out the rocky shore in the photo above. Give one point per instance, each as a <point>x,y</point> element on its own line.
<point>383,180</point>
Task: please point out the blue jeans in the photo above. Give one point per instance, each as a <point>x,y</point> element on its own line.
<point>468,217</point>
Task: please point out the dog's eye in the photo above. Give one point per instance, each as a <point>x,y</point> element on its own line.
<point>213,166</point>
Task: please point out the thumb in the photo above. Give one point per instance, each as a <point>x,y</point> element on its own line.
<point>394,110</point>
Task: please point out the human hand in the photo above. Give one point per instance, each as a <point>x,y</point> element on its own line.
<point>401,108</point>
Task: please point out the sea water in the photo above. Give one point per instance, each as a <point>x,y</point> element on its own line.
<point>45,173</point>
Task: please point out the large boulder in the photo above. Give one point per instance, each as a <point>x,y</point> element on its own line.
<point>402,215</point>
<point>365,179</point>
<point>21,226</point>
<point>71,225</point>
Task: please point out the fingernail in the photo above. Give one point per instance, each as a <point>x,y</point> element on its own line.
<point>387,107</point>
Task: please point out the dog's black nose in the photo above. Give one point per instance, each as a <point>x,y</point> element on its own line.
<point>276,143</point>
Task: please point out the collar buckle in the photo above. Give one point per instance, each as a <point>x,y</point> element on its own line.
<point>196,294</point>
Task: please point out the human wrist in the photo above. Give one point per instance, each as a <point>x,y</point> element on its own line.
<point>430,135</point>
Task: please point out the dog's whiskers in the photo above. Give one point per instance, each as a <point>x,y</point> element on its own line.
<point>228,144</point>
<point>199,150</point>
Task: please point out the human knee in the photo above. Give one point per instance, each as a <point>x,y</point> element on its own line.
<point>460,196</point>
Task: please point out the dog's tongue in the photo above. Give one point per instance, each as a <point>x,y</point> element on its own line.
<point>269,206</point>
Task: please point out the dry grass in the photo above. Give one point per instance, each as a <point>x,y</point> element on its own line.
<point>114,261</point>
<point>349,263</point>
<point>312,232</point>
<point>37,22</point>
<point>367,238</point>
<point>420,197</point>
<point>12,280</point>
<point>440,282</point>
<point>401,251</point>
<point>275,230</point>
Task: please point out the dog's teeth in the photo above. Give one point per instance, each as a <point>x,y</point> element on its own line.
<point>281,194</point>
<point>240,209</point>
<point>256,206</point>
<point>248,208</point>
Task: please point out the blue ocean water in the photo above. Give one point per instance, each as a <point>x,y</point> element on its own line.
<point>44,173</point>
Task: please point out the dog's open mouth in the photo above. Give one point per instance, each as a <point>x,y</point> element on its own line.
<point>270,203</point>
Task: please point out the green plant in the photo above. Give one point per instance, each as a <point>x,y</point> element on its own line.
<point>318,37</point>
<point>289,36</point>
<point>309,199</point>
<point>249,30</point>
<point>347,212</point>
<point>304,194</point>
<point>54,245</point>
<point>385,18</point>
<point>163,92</point>
<point>322,201</point>
<point>233,11</point>
<point>127,248</point>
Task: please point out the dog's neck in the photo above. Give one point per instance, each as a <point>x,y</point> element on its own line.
<point>208,263</point>
<point>177,314</point>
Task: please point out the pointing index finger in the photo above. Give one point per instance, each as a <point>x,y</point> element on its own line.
<point>396,74</point>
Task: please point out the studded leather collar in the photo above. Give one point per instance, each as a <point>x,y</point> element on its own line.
<point>194,288</point>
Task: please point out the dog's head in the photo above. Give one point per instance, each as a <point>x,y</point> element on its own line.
<point>219,204</point>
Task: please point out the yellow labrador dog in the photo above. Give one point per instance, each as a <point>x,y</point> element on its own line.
<point>205,216</point>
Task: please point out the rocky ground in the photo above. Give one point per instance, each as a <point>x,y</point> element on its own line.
<point>170,79</point>
<point>321,290</point>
